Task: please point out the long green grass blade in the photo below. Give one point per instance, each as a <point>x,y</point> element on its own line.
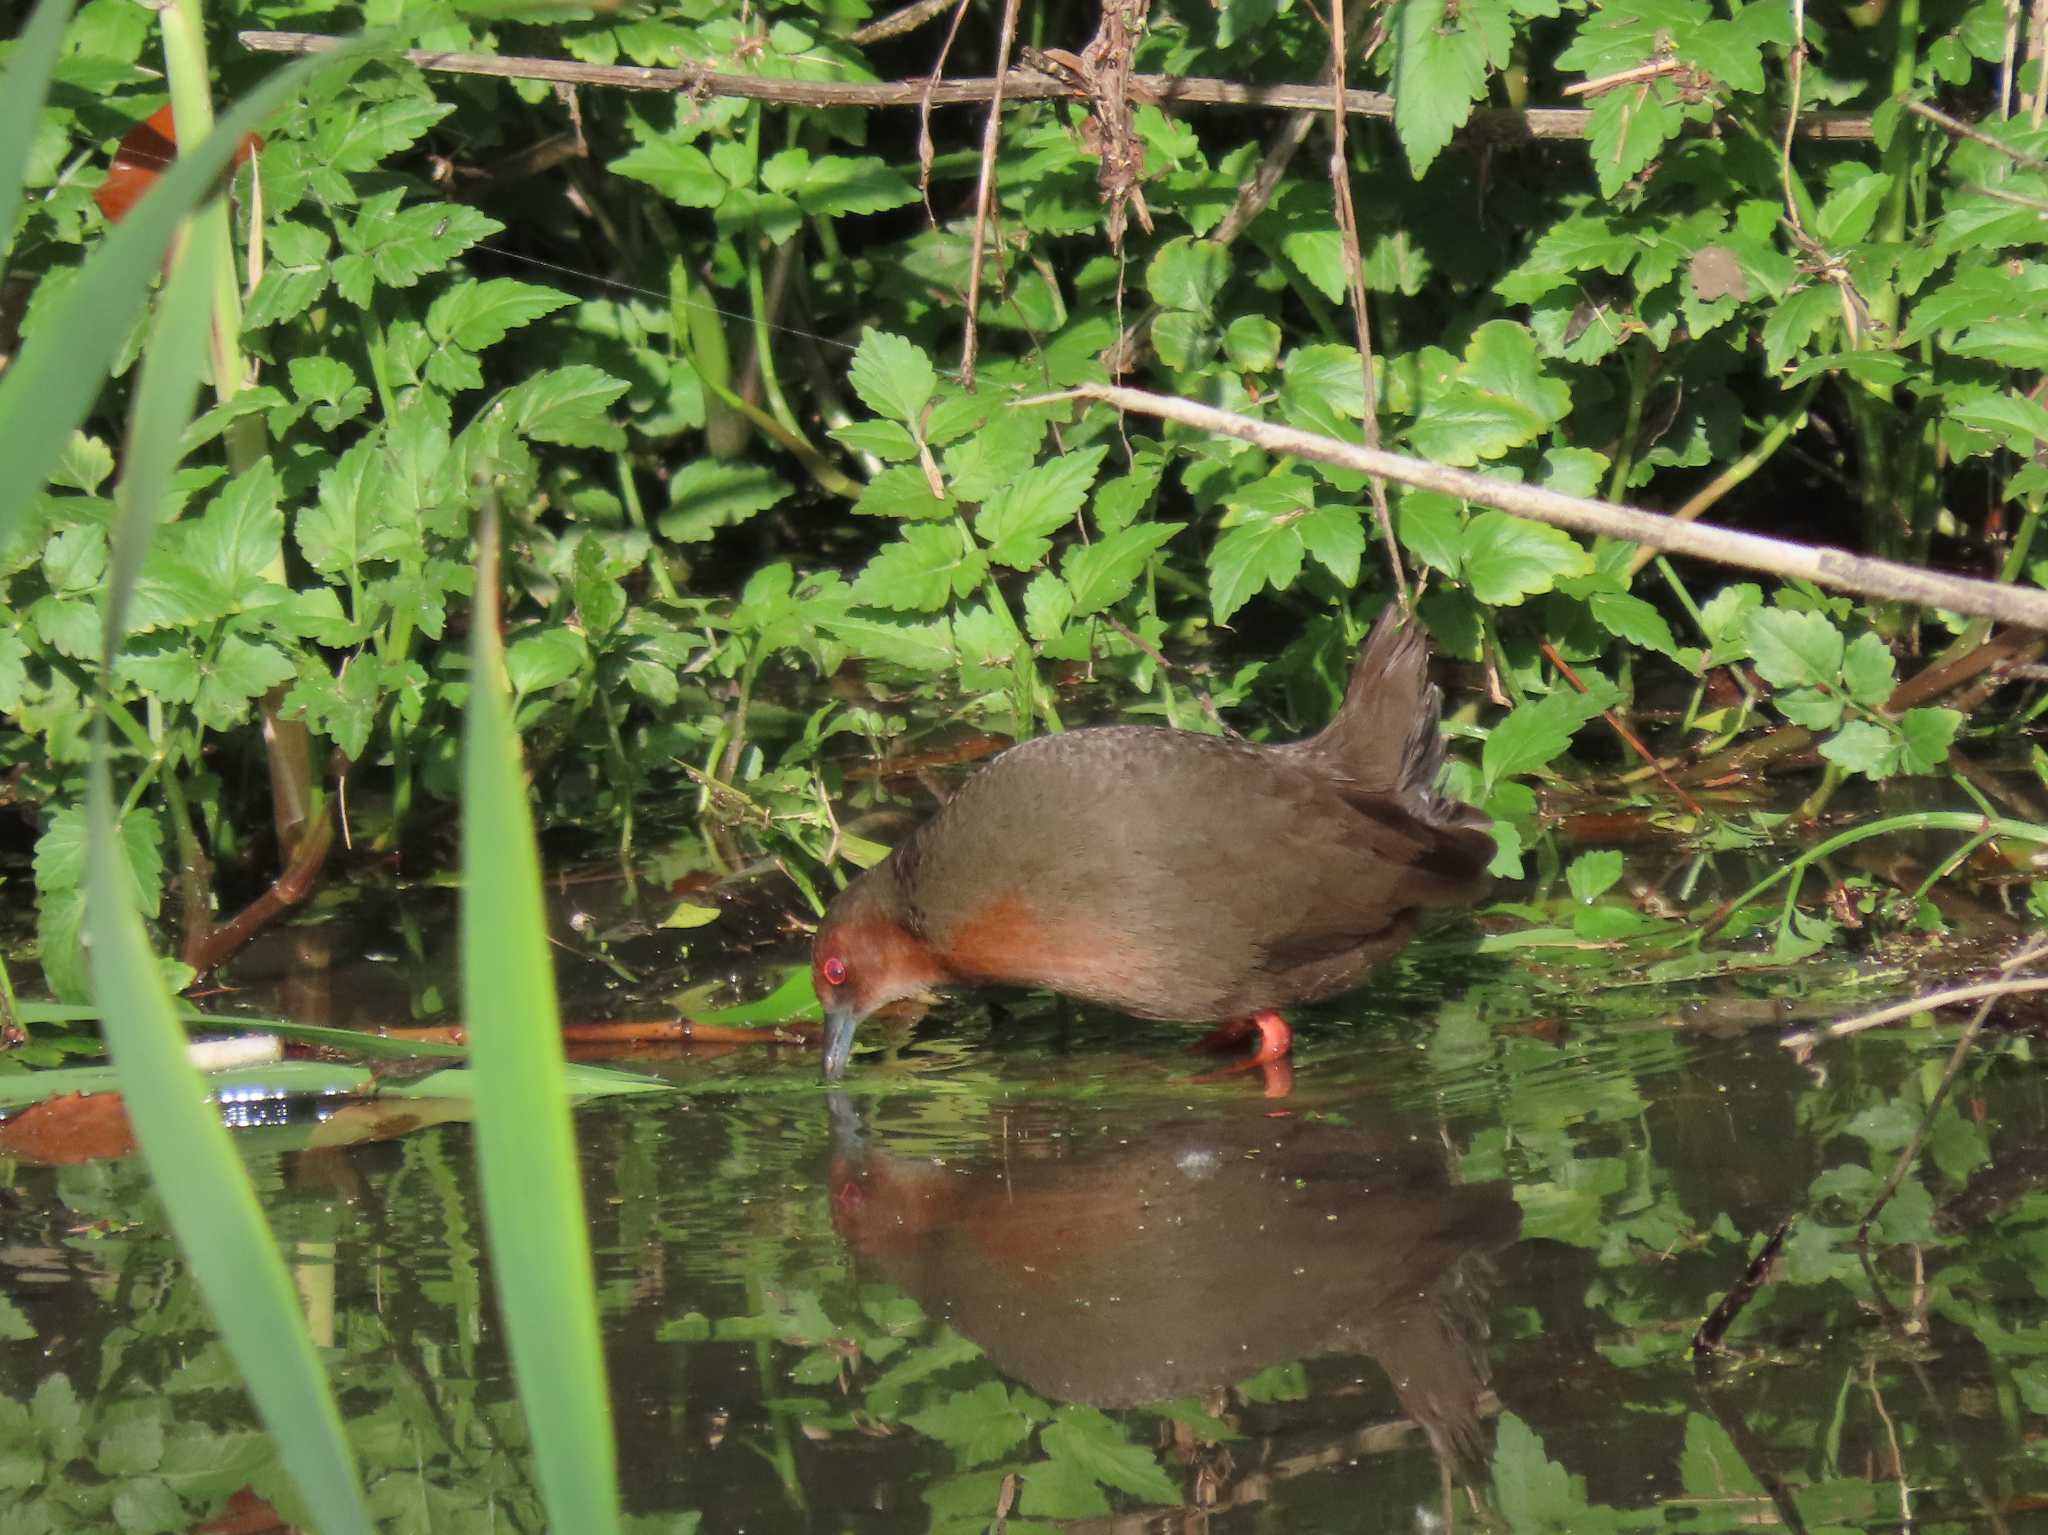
<point>22,90</point>
<point>526,1144</point>
<point>51,384</point>
<point>206,1190</point>
<point>163,409</point>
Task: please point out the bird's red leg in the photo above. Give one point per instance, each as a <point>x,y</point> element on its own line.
<point>1269,1056</point>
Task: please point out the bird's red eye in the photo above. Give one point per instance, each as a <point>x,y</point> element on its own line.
<point>834,970</point>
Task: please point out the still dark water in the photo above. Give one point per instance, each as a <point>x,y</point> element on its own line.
<point>1026,1270</point>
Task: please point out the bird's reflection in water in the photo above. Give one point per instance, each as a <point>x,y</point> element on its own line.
<point>1183,1254</point>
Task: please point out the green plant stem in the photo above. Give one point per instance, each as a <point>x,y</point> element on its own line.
<point>1830,780</point>
<point>1939,820</point>
<point>821,470</point>
<point>764,350</point>
<point>1759,454</point>
<point>1636,359</point>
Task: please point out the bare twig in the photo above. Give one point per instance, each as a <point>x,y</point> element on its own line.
<point>1961,1053</point>
<point>896,23</point>
<point>1836,568</point>
<point>1707,1340</point>
<point>1796,73</point>
<point>1493,123</point>
<point>926,151</point>
<point>984,195</point>
<point>1621,77</point>
<point>1354,282</point>
<point>1963,130</point>
<point>1803,1040</point>
<point>1628,736</point>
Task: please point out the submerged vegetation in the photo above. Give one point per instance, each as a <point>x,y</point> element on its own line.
<point>784,390</point>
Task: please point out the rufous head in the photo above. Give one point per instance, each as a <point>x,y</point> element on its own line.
<point>864,957</point>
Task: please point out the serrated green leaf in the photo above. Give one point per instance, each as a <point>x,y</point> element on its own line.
<point>1634,620</point>
<point>921,571</point>
<point>709,494</point>
<point>1862,747</point>
<point>1868,671</point>
<point>1101,574</point>
<point>1015,521</point>
<point>902,492</point>
<point>1927,736</point>
<point>893,377</point>
<point>1794,650</point>
<point>1263,551</point>
<point>1508,560</point>
<point>679,172</point>
<point>1592,875</point>
<point>1439,72</point>
<point>1536,733</point>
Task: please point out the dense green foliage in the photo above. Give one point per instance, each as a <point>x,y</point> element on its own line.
<point>681,339</point>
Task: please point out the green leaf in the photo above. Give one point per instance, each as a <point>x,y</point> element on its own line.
<point>1262,551</point>
<point>893,377</point>
<point>680,172</point>
<point>1015,521</point>
<point>1863,747</point>
<point>708,495</point>
<point>1431,526</point>
<point>904,493</point>
<point>1439,72</point>
<point>240,672</point>
<point>926,647</point>
<point>1322,388</point>
<point>1188,274</point>
<point>297,269</point>
<point>1868,671</point>
<point>1592,875</point>
<point>1088,1438</point>
<point>1534,1493</point>
<point>131,1438</point>
<point>921,571</point>
<point>1508,560</point>
<point>980,1425</point>
<point>835,185</point>
<point>887,440</point>
<point>1101,574</point>
<point>570,406</point>
<point>536,662</point>
<point>1334,536</point>
<point>475,315</point>
<point>1794,650</point>
<point>1634,620</point>
<point>1627,130</point>
<point>22,89</point>
<point>1536,733</point>
<point>1928,734</point>
<point>1498,397</point>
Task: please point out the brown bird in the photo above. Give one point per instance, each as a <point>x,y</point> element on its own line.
<point>1172,875</point>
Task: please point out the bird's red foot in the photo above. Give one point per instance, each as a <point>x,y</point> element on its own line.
<point>1268,1056</point>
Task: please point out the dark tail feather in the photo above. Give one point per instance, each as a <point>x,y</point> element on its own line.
<point>1387,739</point>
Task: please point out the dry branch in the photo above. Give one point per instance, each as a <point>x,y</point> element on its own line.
<point>1861,574</point>
<point>1494,124</point>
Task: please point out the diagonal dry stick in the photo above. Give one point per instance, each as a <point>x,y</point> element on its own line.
<point>1861,574</point>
